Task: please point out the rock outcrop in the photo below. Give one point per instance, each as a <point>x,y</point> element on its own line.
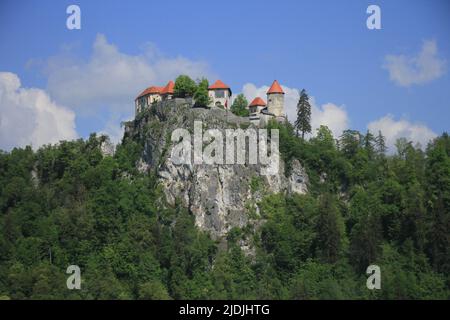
<point>219,196</point>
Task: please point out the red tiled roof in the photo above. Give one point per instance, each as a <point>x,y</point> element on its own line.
<point>275,88</point>
<point>169,88</point>
<point>218,85</point>
<point>257,102</point>
<point>150,90</point>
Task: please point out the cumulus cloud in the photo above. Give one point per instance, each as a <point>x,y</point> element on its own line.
<point>419,69</point>
<point>29,116</point>
<point>114,129</point>
<point>393,129</point>
<point>337,119</point>
<point>110,78</point>
<point>106,83</point>
<point>329,114</point>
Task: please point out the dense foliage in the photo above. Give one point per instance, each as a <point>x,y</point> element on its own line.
<point>201,96</point>
<point>69,204</point>
<point>184,87</point>
<point>240,106</point>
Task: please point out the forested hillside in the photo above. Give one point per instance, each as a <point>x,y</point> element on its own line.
<point>69,204</point>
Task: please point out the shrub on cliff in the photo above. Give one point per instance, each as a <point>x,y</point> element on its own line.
<point>201,94</point>
<point>184,87</point>
<point>239,106</point>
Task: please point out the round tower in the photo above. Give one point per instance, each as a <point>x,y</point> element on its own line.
<point>275,100</point>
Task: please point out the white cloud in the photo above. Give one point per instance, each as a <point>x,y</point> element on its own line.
<point>422,68</point>
<point>29,116</point>
<point>337,119</point>
<point>114,129</point>
<point>329,114</point>
<point>106,84</point>
<point>392,130</point>
<point>112,79</point>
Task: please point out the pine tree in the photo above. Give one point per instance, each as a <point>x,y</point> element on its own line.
<point>303,122</point>
<point>369,141</point>
<point>380,144</point>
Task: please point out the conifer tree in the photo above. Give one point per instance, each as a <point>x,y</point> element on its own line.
<point>303,122</point>
<point>380,144</point>
<point>369,141</point>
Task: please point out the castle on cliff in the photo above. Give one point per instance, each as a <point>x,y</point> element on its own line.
<point>220,96</point>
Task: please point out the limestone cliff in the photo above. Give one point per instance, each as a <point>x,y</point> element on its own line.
<point>219,196</point>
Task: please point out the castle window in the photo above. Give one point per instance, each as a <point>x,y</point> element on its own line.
<point>142,101</point>
<point>220,93</point>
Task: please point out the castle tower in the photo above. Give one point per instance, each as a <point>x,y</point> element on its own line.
<point>220,94</point>
<point>255,107</point>
<point>275,100</point>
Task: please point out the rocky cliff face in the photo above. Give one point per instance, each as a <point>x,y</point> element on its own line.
<point>219,196</point>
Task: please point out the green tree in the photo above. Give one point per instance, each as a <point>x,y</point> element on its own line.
<point>70,204</point>
<point>437,174</point>
<point>349,143</point>
<point>184,87</point>
<point>325,137</point>
<point>330,230</point>
<point>402,145</point>
<point>439,238</point>
<point>201,96</point>
<point>380,144</point>
<point>303,122</point>
<point>153,290</point>
<point>240,106</point>
<point>314,281</point>
<point>365,241</point>
<point>365,228</point>
<point>369,144</point>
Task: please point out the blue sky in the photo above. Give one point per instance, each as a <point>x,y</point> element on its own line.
<point>323,46</point>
